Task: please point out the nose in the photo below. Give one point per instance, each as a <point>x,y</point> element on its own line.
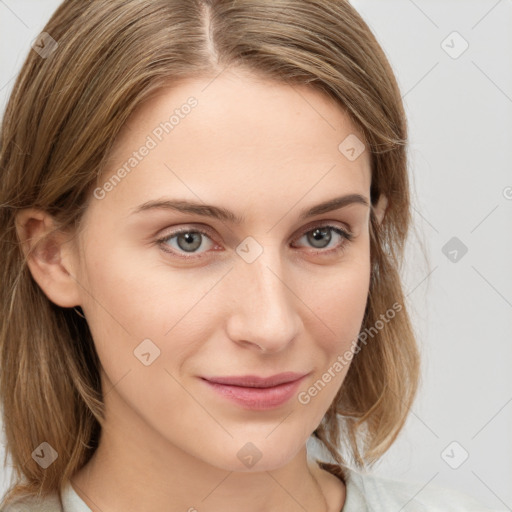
<point>264,311</point>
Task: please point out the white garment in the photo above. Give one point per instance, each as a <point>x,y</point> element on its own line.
<point>373,493</point>
<point>364,493</point>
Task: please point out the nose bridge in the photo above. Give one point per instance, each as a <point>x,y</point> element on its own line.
<point>263,311</point>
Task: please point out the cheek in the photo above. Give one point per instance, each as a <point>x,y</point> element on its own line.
<point>339,303</point>
<point>130,298</point>
<point>338,298</point>
<point>133,309</point>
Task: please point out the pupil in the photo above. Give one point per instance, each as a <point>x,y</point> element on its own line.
<point>317,236</point>
<point>190,244</point>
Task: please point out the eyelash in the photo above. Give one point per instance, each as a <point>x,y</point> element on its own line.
<point>346,236</point>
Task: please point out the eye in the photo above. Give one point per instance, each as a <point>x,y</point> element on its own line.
<point>190,243</point>
<point>320,238</point>
<point>187,241</point>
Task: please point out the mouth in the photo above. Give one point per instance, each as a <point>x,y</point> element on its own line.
<point>255,392</point>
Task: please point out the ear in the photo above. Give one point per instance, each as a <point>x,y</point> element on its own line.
<point>380,208</point>
<point>52,260</point>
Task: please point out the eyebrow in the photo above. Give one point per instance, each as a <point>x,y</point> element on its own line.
<point>223,214</point>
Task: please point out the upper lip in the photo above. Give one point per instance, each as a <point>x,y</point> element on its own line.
<point>254,381</point>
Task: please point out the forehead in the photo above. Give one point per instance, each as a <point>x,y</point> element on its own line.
<point>240,136</point>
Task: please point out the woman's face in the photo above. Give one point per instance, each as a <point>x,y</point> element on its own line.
<point>255,286</point>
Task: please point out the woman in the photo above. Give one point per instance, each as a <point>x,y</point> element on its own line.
<point>221,187</point>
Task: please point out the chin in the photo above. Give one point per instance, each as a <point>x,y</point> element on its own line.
<point>258,453</point>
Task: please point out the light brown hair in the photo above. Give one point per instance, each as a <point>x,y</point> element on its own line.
<point>62,118</point>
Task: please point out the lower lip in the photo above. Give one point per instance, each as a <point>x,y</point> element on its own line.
<point>257,398</point>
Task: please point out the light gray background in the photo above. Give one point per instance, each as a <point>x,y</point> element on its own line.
<point>460,117</point>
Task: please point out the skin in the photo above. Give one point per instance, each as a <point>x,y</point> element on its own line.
<point>265,151</point>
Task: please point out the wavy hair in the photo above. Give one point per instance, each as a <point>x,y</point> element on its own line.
<point>61,120</point>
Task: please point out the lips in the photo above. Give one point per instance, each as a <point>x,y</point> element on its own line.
<point>255,392</point>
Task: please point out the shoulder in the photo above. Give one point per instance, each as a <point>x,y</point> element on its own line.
<point>50,503</point>
<point>380,493</point>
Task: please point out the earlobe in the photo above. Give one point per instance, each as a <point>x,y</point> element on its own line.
<point>380,208</point>
<point>49,256</point>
